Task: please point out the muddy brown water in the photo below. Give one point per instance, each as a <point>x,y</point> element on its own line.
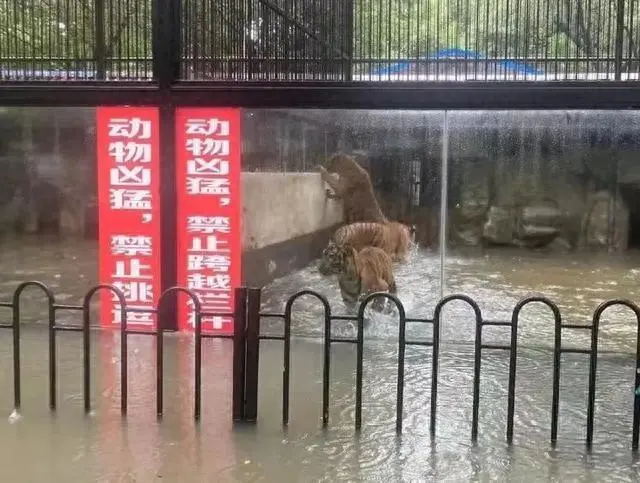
<point>103,446</point>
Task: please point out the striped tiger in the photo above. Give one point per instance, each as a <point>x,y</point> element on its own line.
<point>363,272</point>
<point>393,237</point>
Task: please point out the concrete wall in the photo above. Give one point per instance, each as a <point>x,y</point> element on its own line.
<point>286,221</point>
<point>277,207</point>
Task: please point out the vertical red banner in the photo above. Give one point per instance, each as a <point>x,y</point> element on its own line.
<point>209,209</point>
<point>129,212</point>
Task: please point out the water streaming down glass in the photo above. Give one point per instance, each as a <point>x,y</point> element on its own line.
<point>101,447</point>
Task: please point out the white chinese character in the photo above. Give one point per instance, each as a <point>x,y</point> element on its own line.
<point>134,272</point>
<point>217,263</point>
<point>207,186</point>
<point>130,128</point>
<point>199,281</point>
<point>130,152</point>
<point>207,127</point>
<point>124,199</point>
<point>213,298</point>
<point>138,318</point>
<point>131,245</point>
<point>215,166</point>
<point>208,224</point>
<point>212,244</point>
<point>216,321</point>
<point>135,291</point>
<point>208,147</point>
<point>136,176</point>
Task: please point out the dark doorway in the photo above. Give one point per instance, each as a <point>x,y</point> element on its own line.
<point>631,196</point>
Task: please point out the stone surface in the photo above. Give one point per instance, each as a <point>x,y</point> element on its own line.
<point>605,223</point>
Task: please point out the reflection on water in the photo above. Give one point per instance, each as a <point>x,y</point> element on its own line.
<point>105,447</point>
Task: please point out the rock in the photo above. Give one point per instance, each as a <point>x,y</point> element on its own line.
<point>559,245</point>
<point>534,236</point>
<point>603,224</point>
<point>500,226</point>
<point>547,216</point>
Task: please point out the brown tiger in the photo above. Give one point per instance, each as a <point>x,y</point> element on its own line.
<point>393,237</point>
<point>363,272</point>
<point>352,184</point>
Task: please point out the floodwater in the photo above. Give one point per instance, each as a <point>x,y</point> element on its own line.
<point>105,447</point>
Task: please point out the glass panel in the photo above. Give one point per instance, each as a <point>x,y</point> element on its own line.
<point>48,206</point>
<point>290,222</point>
<point>544,202</point>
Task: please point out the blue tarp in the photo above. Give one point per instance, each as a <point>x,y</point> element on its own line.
<point>509,65</point>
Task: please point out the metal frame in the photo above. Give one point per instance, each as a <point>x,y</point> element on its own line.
<point>168,90</point>
<point>307,95</point>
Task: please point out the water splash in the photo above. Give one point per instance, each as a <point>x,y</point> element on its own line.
<point>14,417</point>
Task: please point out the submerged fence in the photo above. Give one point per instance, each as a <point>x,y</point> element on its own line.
<point>246,349</point>
<point>327,40</point>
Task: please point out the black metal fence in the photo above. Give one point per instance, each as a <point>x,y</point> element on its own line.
<point>246,351</point>
<point>322,40</point>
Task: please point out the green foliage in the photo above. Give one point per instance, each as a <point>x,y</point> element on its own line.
<point>63,32</point>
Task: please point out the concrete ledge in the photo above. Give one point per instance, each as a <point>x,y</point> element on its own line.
<point>277,207</point>
<point>261,266</point>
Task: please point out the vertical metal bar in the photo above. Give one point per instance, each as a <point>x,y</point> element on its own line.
<point>444,200</point>
<point>619,40</point>
<point>124,364</point>
<point>252,355</point>
<point>555,402</point>
<point>348,40</point>
<point>513,358</point>
<point>593,360</point>
<point>476,380</point>
<point>16,354</point>
<point>197,366</point>
<point>359,356</point>
<point>159,371</point>
<point>326,367</point>
<point>239,348</point>
<point>636,387</point>
<point>86,355</point>
<point>52,357</point>
<point>402,326</point>
<point>167,311</point>
<point>249,42</point>
<point>434,372</point>
<point>166,41</point>
<point>286,371</point>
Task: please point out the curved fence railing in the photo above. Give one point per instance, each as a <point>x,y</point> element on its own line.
<point>246,348</point>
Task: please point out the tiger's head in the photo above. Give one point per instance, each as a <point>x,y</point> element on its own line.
<point>337,259</point>
<point>332,260</point>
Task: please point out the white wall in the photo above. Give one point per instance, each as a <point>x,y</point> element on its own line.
<point>280,206</point>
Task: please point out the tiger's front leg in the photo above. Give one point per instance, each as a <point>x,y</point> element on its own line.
<point>334,182</point>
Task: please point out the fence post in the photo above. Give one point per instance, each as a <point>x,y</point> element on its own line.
<point>252,356</point>
<point>619,40</point>
<point>239,353</point>
<point>100,50</point>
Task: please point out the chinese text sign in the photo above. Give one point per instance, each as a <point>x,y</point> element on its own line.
<point>209,208</point>
<point>129,212</point>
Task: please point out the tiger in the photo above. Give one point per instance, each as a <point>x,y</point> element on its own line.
<point>351,183</point>
<point>395,238</point>
<point>363,272</point>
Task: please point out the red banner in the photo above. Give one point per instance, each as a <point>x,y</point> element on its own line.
<point>209,207</point>
<point>129,212</point>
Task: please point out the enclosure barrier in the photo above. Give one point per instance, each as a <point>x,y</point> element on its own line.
<point>246,349</point>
